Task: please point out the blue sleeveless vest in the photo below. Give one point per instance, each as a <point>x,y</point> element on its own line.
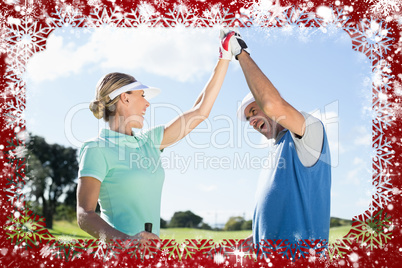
<point>294,201</point>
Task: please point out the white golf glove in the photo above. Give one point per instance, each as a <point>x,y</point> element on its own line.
<point>225,51</point>
<point>237,44</point>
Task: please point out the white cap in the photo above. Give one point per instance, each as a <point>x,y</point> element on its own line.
<point>149,92</point>
<point>249,98</point>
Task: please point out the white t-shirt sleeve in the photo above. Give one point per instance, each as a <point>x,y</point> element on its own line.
<point>309,146</point>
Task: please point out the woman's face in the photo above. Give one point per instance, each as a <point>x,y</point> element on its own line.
<point>135,106</point>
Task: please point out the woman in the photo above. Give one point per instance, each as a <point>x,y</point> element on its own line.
<point>123,171</point>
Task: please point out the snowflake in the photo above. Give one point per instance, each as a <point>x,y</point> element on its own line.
<point>14,191</point>
<point>373,231</point>
<point>383,185</point>
<point>340,18</point>
<point>14,112</point>
<point>219,258</point>
<point>26,230</point>
<point>67,247</point>
<point>370,38</point>
<point>134,19</point>
<point>165,252</point>
<point>67,240</point>
<point>25,39</point>
<point>147,11</point>
<point>106,251</point>
<point>220,16</point>
<point>293,250</point>
<point>383,154</point>
<point>105,17</point>
<point>161,3</point>
<point>19,152</point>
<point>67,17</point>
<point>384,7</point>
<point>340,248</point>
<point>46,251</point>
<point>382,113</point>
<point>240,251</point>
<point>266,13</point>
<point>382,76</point>
<point>180,15</point>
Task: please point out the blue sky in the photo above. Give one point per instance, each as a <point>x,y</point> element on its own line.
<point>216,169</point>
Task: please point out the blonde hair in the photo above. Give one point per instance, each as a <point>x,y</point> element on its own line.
<point>103,106</point>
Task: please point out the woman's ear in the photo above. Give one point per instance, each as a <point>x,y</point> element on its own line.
<point>124,98</point>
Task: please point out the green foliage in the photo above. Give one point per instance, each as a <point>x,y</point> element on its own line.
<point>234,224</point>
<point>163,223</point>
<point>51,171</point>
<point>64,212</point>
<point>335,222</point>
<point>247,225</point>
<point>205,226</point>
<point>185,219</point>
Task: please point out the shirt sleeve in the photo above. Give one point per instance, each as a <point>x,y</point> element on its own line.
<point>309,146</point>
<point>92,162</point>
<point>155,135</point>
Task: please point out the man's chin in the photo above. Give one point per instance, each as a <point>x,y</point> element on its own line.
<point>266,134</point>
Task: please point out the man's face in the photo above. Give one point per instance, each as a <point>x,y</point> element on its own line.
<point>260,121</point>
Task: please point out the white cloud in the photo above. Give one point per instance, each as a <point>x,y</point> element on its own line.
<point>358,161</point>
<point>360,174</point>
<point>58,60</point>
<point>207,188</point>
<point>363,136</point>
<point>178,53</point>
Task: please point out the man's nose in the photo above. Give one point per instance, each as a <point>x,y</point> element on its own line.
<point>253,121</point>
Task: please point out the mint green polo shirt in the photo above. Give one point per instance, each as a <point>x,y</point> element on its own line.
<point>131,175</point>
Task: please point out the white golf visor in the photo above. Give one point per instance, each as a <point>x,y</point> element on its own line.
<point>249,98</point>
<point>149,92</point>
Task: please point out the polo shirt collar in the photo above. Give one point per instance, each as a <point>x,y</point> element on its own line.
<point>119,139</point>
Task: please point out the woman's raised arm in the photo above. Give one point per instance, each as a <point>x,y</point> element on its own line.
<point>182,125</point>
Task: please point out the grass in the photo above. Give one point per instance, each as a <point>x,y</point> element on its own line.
<point>66,228</point>
<point>181,234</point>
<point>71,229</point>
<point>338,232</point>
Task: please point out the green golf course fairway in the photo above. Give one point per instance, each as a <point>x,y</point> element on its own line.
<point>65,229</point>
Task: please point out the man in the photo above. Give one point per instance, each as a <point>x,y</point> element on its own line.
<point>294,202</point>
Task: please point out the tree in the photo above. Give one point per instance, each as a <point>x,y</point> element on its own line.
<point>185,219</point>
<point>205,226</point>
<point>163,223</point>
<point>51,173</point>
<point>234,224</point>
<point>247,225</point>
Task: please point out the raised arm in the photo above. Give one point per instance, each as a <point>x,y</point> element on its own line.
<point>89,221</point>
<point>265,93</point>
<point>186,122</point>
